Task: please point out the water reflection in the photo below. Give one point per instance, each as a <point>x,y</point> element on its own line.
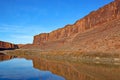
<point>4,57</point>
<point>79,71</point>
<point>61,68</point>
<point>75,70</point>
<point>22,69</point>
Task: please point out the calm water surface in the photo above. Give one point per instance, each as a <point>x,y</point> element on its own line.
<point>32,68</point>
<point>21,69</point>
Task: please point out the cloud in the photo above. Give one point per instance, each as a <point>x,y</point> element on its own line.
<point>10,28</point>
<point>21,29</point>
<point>21,36</point>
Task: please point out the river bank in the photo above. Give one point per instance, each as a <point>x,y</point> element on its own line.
<point>97,58</point>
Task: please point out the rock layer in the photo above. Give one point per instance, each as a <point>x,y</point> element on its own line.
<point>6,45</point>
<point>60,38</point>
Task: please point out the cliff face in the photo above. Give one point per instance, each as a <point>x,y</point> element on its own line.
<point>66,35</point>
<point>6,45</point>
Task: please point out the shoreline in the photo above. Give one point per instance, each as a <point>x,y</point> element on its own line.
<point>68,56</point>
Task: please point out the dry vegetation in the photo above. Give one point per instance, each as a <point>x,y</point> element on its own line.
<point>92,57</point>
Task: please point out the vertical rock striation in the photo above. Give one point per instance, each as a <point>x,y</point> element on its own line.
<point>6,45</point>
<point>63,35</point>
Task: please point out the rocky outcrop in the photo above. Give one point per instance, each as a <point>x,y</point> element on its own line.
<point>103,38</point>
<point>64,36</point>
<point>21,45</point>
<point>7,45</point>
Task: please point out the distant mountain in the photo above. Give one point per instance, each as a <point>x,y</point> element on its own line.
<point>7,45</point>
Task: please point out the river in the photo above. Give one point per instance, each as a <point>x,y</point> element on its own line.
<point>36,68</point>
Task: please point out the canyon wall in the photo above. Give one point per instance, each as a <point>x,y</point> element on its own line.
<point>66,34</point>
<point>6,45</point>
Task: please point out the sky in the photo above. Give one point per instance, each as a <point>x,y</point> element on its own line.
<point>20,20</point>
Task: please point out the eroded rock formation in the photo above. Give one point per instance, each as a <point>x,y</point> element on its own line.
<point>58,39</point>
<point>7,45</point>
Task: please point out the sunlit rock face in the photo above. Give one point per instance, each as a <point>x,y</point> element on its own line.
<point>64,37</point>
<point>6,45</point>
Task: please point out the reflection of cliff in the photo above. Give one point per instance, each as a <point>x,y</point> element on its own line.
<point>60,69</point>
<point>74,70</point>
<point>4,57</point>
<point>78,71</point>
<point>6,45</point>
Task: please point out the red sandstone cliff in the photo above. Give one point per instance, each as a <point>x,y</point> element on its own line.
<point>6,45</point>
<point>66,37</point>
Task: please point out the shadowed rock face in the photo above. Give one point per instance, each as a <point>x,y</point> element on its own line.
<point>64,36</point>
<point>6,45</point>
